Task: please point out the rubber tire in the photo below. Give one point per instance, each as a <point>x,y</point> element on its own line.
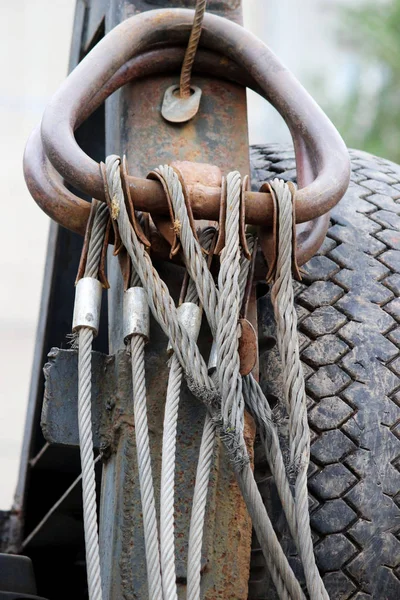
<point>348,309</point>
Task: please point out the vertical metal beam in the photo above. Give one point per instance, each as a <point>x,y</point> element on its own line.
<point>54,322</point>
<point>217,135</point>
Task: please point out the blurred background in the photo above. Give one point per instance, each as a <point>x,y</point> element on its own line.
<point>345,52</point>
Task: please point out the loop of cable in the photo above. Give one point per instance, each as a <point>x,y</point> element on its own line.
<point>203,473</point>
<point>136,345</point>
<point>231,437</point>
<point>84,339</point>
<point>164,310</point>
<point>167,489</point>
<point>195,369</point>
<point>294,387</point>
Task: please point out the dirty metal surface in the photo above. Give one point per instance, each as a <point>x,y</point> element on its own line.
<point>113,429</point>
<point>121,535</point>
<point>320,152</point>
<point>59,419</point>
<point>112,419</point>
<point>230,9</point>
<point>322,161</point>
<point>148,140</point>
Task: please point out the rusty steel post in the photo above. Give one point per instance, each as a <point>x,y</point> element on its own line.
<point>135,127</point>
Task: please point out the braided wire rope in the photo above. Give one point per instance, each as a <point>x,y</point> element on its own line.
<point>190,54</point>
<point>87,464</point>
<point>204,470</point>
<point>294,388</point>
<point>164,310</point>
<point>167,488</point>
<point>197,517</point>
<point>150,526</point>
<point>142,438</point>
<point>85,340</point>
<point>208,294</point>
<point>254,396</point>
<point>228,329</point>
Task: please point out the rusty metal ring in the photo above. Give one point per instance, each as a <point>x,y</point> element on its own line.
<point>47,186</point>
<point>45,183</point>
<point>314,135</point>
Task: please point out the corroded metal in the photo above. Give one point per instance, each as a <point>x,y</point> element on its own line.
<point>177,109</point>
<point>113,435</point>
<point>48,190</point>
<point>248,347</point>
<point>148,140</point>
<point>319,149</point>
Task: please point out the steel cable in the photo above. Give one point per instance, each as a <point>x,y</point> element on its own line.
<point>294,387</point>
<point>150,525</point>
<point>85,339</point>
<point>142,438</point>
<point>190,54</point>
<point>164,310</point>
<point>203,473</point>
<point>255,399</point>
<point>208,294</point>
<point>167,489</point>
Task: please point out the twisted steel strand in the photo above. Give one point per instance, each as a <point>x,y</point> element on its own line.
<point>208,293</point>
<point>164,310</point>
<point>227,336</point>
<point>167,490</point>
<point>150,526</point>
<point>85,416</point>
<point>87,463</point>
<point>196,530</point>
<point>160,302</point>
<point>167,522</point>
<point>254,396</point>
<point>96,239</point>
<point>190,54</point>
<point>244,266</point>
<point>294,389</point>
<point>203,473</point>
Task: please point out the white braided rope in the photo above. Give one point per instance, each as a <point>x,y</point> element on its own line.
<point>85,340</point>
<point>164,310</point>
<point>294,389</point>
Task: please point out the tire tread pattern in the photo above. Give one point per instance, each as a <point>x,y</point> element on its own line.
<point>349,313</point>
